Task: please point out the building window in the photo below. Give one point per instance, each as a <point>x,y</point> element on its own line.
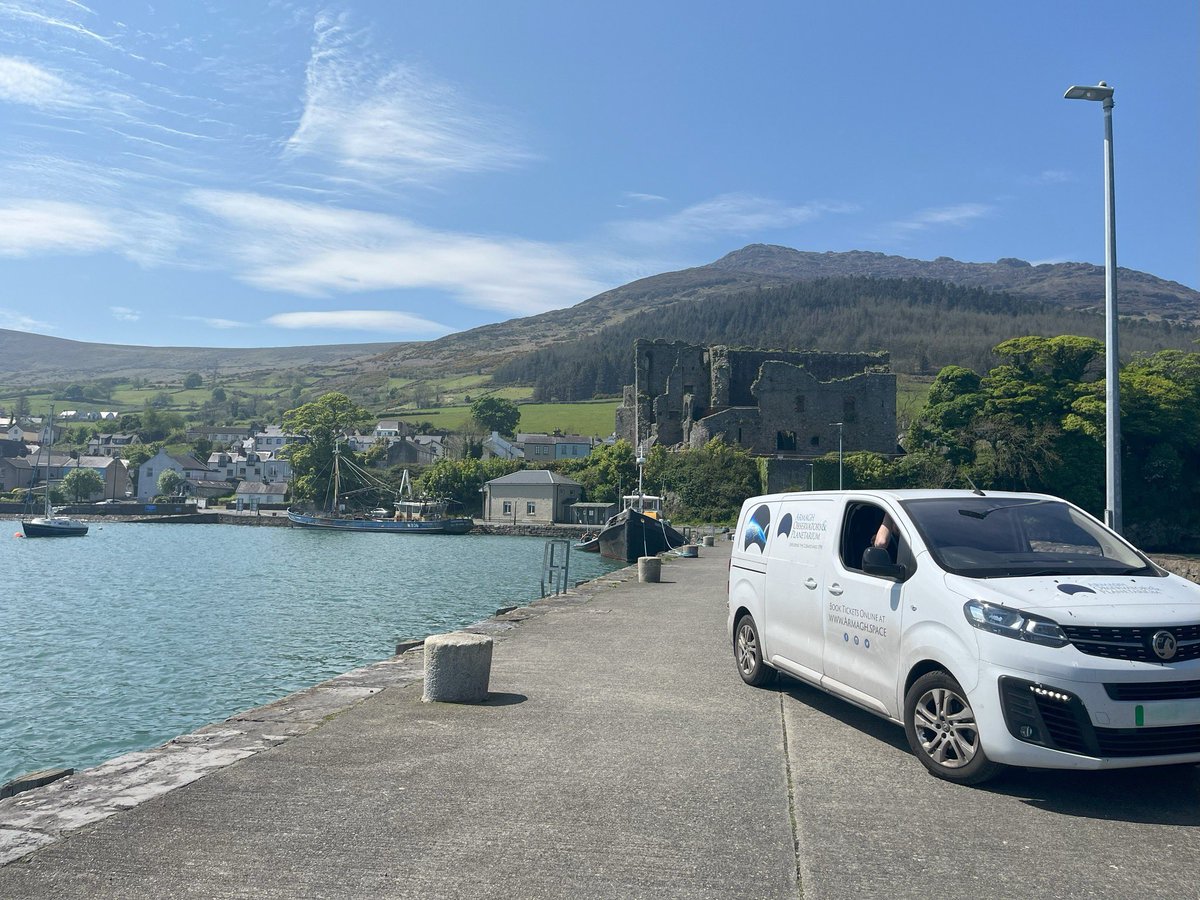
<point>508,507</point>
<point>530,508</point>
<point>815,440</point>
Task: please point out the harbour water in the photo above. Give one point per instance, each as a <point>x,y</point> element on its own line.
<point>137,633</point>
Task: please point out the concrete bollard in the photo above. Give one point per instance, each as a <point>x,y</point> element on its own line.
<point>457,667</point>
<point>649,568</point>
<point>709,541</point>
<point>689,551</point>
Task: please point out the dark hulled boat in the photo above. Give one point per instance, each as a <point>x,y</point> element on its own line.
<point>638,530</point>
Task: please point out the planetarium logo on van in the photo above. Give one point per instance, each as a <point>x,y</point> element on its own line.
<point>756,529</point>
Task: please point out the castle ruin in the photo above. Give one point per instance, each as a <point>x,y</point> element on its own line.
<point>769,402</point>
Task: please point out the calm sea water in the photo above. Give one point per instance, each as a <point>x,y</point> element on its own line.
<point>132,635</point>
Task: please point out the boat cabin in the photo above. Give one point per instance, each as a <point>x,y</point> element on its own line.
<point>647,504</point>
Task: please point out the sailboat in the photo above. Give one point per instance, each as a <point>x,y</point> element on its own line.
<point>50,525</point>
<point>413,515</point>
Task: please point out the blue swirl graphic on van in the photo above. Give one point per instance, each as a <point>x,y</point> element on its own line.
<point>756,529</point>
<point>785,525</point>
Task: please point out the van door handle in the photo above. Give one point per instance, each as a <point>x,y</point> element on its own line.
<point>835,589</point>
<point>810,583</point>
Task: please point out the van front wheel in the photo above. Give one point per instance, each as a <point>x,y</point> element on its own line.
<point>942,731</point>
<point>747,652</point>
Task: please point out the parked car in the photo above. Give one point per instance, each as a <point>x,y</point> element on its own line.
<point>998,628</point>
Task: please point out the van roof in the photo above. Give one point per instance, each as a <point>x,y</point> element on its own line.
<point>900,494</point>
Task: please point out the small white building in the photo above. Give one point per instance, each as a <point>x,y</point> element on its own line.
<point>530,497</point>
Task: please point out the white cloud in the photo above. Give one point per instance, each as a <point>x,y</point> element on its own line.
<point>40,226</point>
<point>311,249</point>
<point>215,323</point>
<point>953,216</point>
<point>124,313</point>
<point>727,214</point>
<point>376,320</point>
<point>643,198</point>
<point>24,82</point>
<point>15,321</point>
<point>391,122</point>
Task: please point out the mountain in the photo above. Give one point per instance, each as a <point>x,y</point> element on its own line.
<point>35,359</point>
<point>27,359</point>
<point>1076,286</point>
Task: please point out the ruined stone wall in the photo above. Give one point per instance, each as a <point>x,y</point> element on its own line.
<point>798,411</point>
<point>767,401</point>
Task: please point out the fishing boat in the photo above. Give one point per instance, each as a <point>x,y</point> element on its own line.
<point>412,515</point>
<point>50,525</point>
<point>639,529</point>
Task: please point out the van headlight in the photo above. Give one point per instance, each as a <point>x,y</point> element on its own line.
<point>1014,624</point>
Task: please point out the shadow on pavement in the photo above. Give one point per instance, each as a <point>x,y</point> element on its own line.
<point>500,698</point>
<point>1155,795</point>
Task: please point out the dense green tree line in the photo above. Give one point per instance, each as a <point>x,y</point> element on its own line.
<point>926,325</point>
<point>1036,422</point>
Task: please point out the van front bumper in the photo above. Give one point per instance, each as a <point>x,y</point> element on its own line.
<point>1047,721</point>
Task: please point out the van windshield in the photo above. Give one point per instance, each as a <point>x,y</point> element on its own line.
<point>1011,537</point>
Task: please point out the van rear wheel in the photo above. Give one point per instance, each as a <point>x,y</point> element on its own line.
<point>747,652</point>
<point>942,732</point>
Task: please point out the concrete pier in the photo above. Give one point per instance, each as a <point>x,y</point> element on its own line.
<point>618,755</point>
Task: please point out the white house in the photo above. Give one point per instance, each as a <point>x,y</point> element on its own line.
<point>494,446</point>
<point>272,439</point>
<point>148,472</point>
<point>258,467</point>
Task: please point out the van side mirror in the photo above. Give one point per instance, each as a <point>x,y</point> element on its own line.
<point>877,561</point>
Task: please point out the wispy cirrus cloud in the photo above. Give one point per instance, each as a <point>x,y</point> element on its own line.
<point>956,216</point>
<point>124,313</point>
<point>1050,176</point>
<point>24,82</point>
<point>727,214</point>
<point>374,320</point>
<point>42,226</point>
<point>380,120</point>
<point>314,250</point>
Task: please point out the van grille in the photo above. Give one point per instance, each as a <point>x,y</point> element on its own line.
<point>1149,741</point>
<point>1133,643</point>
<point>1154,690</point>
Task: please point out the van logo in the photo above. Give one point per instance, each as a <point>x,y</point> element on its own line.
<point>785,525</point>
<point>1075,589</point>
<point>756,528</point>
<point>1164,644</point>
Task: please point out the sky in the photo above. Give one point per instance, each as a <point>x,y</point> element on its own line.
<point>253,173</point>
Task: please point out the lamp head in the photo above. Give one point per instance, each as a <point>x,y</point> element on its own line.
<point>1100,91</point>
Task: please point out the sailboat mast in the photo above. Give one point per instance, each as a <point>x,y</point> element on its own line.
<point>49,448</point>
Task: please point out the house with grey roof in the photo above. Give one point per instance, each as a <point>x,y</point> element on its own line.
<point>149,471</point>
<point>530,497</point>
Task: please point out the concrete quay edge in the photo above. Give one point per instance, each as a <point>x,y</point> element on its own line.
<point>37,818</point>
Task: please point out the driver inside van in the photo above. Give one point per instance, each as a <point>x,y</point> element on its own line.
<point>887,530</point>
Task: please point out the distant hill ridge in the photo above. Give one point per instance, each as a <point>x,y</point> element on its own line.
<point>29,359</point>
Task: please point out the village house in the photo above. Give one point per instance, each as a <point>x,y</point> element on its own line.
<point>273,438</point>
<point>149,471</point>
<point>253,494</point>
<point>497,447</point>
<point>260,467</point>
<point>111,444</point>
<point>530,497</point>
<point>545,447</point>
<point>222,436</point>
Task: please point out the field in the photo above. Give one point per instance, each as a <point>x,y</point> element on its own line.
<point>592,417</point>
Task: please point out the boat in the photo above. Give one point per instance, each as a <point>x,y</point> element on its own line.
<point>413,515</point>
<point>588,543</point>
<point>639,529</point>
<point>50,525</point>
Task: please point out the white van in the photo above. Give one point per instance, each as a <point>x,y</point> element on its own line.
<point>998,628</point>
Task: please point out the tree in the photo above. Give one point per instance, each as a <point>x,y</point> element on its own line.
<point>322,422</point>
<point>201,448</point>
<point>192,380</point>
<point>171,482</point>
<point>218,395</point>
<point>81,484</point>
<point>496,414</point>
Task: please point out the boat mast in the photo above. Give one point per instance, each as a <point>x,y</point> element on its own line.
<point>337,454</point>
<point>49,447</point>
<point>637,422</point>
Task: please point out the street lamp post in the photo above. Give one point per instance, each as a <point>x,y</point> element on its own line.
<point>839,428</point>
<point>1112,430</point>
